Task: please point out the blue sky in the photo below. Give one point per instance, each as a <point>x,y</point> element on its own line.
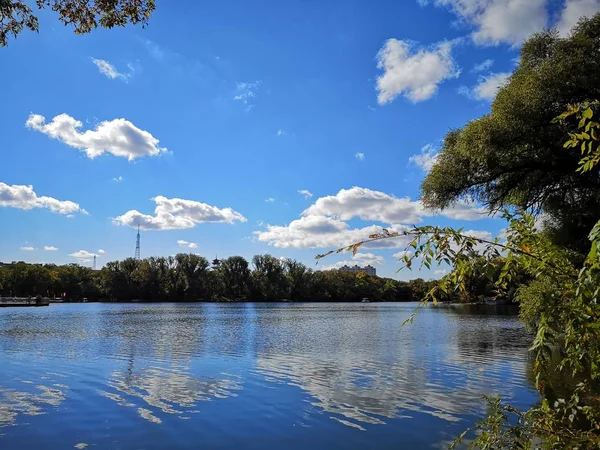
<point>205,126</point>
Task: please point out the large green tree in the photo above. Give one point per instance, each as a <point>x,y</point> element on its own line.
<point>82,15</point>
<point>514,155</point>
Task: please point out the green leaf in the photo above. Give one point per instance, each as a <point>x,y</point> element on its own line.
<point>587,114</point>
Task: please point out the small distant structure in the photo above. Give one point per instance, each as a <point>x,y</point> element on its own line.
<point>216,263</point>
<point>369,270</point>
<point>94,266</point>
<point>137,245</point>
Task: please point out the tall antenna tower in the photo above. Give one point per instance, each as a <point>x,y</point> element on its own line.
<point>137,244</point>
<point>94,267</point>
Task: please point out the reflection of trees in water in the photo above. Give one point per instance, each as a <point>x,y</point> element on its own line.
<point>14,403</point>
<point>168,390</point>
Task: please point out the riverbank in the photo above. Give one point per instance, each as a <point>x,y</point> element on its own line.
<point>23,301</point>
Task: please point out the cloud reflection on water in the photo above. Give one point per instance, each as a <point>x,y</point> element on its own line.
<point>171,391</point>
<point>14,403</point>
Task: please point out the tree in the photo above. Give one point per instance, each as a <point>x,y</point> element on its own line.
<point>269,282</point>
<point>84,16</point>
<point>236,277</point>
<point>514,155</point>
<point>299,280</point>
<point>194,275</point>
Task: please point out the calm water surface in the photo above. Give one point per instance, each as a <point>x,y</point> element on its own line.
<point>295,376</point>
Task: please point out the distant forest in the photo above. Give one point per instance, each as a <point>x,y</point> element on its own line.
<point>189,277</point>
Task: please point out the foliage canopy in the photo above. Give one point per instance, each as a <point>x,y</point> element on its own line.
<point>84,16</point>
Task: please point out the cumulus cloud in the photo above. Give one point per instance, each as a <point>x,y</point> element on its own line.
<point>111,72</point>
<point>324,223</point>
<point>402,254</point>
<point>118,179</point>
<point>270,200</point>
<point>360,156</point>
<point>27,248</point>
<point>50,248</point>
<point>246,93</point>
<point>177,213</point>
<point>426,159</point>
<point>575,10</point>
<point>280,132</point>
<point>488,86</point>
<point>305,193</point>
<point>360,259</point>
<point>415,73</point>
<point>368,204</point>
<point>512,21</point>
<point>483,66</point>
<point>320,231</point>
<point>187,244</point>
<point>101,252</point>
<point>24,197</point>
<point>499,21</point>
<point>82,254</point>
<point>119,137</point>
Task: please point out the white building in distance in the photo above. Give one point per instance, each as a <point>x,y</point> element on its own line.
<point>369,270</point>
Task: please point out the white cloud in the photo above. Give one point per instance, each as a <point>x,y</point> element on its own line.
<point>479,234</point>
<point>27,249</point>
<point>368,204</point>
<point>573,11</point>
<point>82,254</point>
<point>488,86</point>
<point>368,258</point>
<point>50,248</point>
<point>118,179</point>
<point>402,254</point>
<point>324,223</point>
<point>413,73</point>
<point>246,93</point>
<point>360,259</point>
<point>270,200</point>
<point>109,70</point>
<point>305,193</point>
<point>187,244</point>
<point>483,66</point>
<point>510,21</point>
<point>280,133</point>
<point>499,21</point>
<point>118,137</point>
<point>426,159</point>
<point>464,211</point>
<point>360,156</point>
<point>320,231</point>
<point>440,272</point>
<point>177,213</point>
<point>24,197</point>
<point>101,252</point>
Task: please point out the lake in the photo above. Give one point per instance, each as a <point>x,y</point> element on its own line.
<point>294,376</point>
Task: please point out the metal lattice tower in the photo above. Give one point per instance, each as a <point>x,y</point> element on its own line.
<point>137,244</point>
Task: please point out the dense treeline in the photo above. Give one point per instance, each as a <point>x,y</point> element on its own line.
<point>189,277</point>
